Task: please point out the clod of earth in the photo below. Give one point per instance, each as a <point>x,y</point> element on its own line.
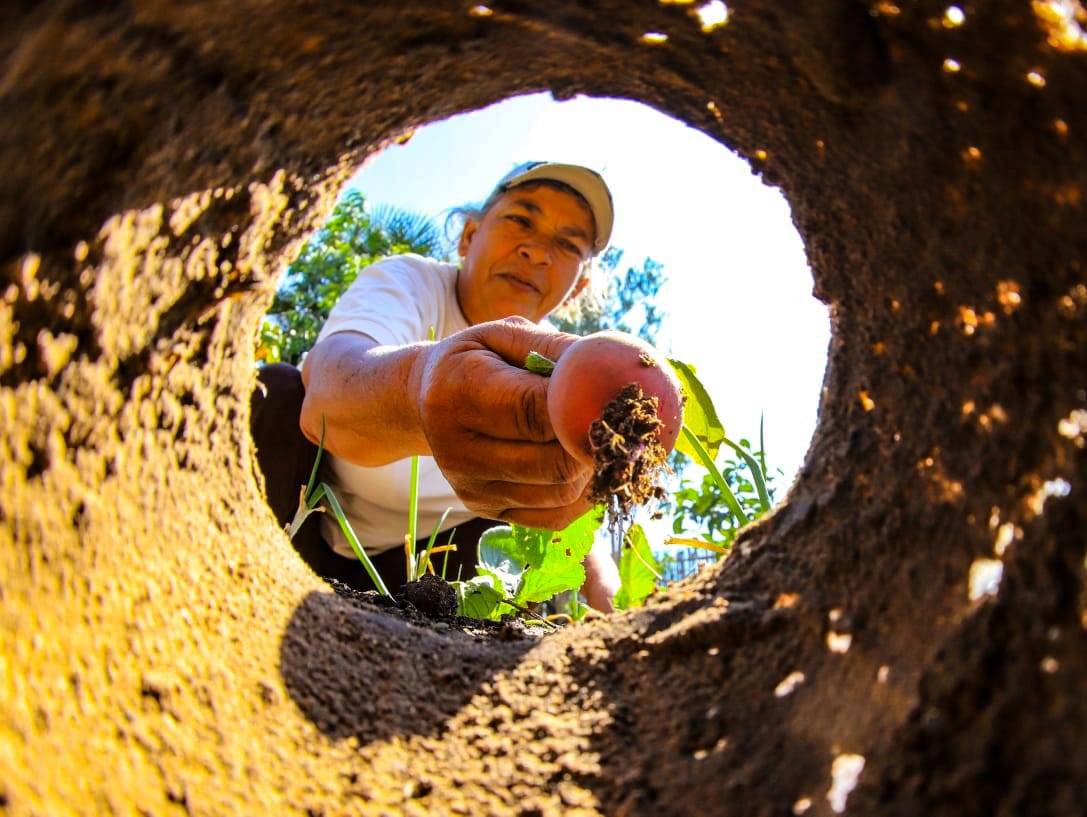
<point>431,595</point>
<point>628,458</point>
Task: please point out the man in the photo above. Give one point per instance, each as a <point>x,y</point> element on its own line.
<point>381,391</point>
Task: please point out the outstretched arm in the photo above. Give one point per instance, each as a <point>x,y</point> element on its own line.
<point>364,397</point>
<point>467,401</point>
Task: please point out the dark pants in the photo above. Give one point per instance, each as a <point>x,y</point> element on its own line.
<point>286,459</point>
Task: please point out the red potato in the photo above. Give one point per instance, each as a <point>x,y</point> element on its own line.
<point>593,371</point>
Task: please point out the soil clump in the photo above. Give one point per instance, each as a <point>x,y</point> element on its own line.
<point>629,460</point>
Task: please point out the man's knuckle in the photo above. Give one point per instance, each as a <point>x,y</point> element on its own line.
<point>569,471</point>
<point>568,493</point>
<point>532,423</point>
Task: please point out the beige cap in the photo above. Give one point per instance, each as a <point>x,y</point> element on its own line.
<point>588,183</point>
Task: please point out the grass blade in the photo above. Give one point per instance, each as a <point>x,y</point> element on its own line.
<point>413,517</point>
<point>756,473</point>
<point>353,540</point>
<point>424,560</point>
<point>316,462</point>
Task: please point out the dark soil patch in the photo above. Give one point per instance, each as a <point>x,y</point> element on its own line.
<point>629,459</point>
<point>426,603</point>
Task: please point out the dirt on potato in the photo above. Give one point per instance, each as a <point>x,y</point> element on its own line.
<point>629,461</point>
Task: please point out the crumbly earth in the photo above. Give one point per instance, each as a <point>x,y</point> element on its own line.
<point>432,602</point>
<point>431,595</point>
<point>906,634</point>
<point>629,461</point>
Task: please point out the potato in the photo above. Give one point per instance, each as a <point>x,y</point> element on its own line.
<point>592,372</point>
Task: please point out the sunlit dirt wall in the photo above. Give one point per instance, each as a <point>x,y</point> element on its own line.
<point>163,651</point>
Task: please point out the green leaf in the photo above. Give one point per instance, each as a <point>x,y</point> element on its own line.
<point>477,598</point>
<point>420,562</point>
<point>553,559</point>
<point>413,499</point>
<point>702,456</point>
<point>699,415</point>
<point>352,539</point>
<point>533,565</point>
<point>639,570</point>
<point>495,558</point>
<point>312,484</point>
<point>756,473</point>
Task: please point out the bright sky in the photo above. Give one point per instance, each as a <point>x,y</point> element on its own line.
<point>738,299</point>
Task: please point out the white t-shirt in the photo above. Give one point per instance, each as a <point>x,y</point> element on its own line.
<point>396,301</point>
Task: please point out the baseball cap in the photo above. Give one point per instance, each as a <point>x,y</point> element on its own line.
<point>588,183</point>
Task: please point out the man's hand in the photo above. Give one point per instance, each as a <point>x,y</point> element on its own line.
<point>467,401</point>
<point>485,419</point>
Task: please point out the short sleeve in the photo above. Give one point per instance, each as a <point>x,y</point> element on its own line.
<point>395,301</point>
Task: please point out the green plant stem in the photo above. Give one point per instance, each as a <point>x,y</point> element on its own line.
<point>539,364</point>
<point>708,464</point>
<point>413,517</point>
<point>324,492</point>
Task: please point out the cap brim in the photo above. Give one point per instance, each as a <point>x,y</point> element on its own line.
<point>587,182</point>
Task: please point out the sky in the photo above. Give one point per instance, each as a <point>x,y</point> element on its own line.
<point>738,296</point>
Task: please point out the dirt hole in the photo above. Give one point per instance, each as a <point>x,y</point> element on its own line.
<point>734,266</point>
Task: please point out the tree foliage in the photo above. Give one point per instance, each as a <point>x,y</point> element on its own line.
<point>630,302</point>
<point>329,262</point>
<point>697,506</point>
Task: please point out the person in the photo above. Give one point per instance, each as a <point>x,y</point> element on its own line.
<point>425,359</point>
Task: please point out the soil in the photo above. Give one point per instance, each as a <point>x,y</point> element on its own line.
<point>431,602</point>
<point>162,168</point>
<point>629,459</point>
<point>431,595</point>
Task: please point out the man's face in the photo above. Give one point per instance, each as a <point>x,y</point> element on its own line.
<point>524,256</point>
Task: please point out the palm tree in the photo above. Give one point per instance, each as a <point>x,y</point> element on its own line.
<point>329,262</point>
<point>414,231</point>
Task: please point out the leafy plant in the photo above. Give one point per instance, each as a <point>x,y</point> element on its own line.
<point>518,566</point>
<point>329,262</point>
<point>727,499</point>
<point>639,570</point>
<point>421,563</point>
<point>700,503</point>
